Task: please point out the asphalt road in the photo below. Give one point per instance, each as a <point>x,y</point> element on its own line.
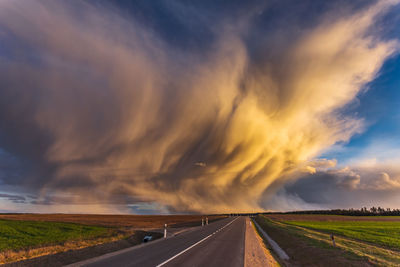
<point>220,243</point>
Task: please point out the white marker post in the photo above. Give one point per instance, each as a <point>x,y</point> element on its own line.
<point>207,220</point>
<point>202,221</point>
<point>165,230</point>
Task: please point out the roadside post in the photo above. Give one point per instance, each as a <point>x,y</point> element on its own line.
<point>165,230</point>
<point>333,240</point>
<point>202,221</point>
<point>207,220</point>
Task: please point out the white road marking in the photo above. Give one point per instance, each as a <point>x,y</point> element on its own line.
<point>183,251</point>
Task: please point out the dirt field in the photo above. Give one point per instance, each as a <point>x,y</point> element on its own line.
<point>315,217</point>
<point>132,221</point>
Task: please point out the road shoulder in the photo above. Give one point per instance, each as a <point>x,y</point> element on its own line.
<point>256,254</point>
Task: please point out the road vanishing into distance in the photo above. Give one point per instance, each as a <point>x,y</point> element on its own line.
<point>220,243</point>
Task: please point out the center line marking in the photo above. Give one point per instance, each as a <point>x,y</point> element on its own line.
<point>183,251</point>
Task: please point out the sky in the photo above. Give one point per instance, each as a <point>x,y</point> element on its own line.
<point>159,107</point>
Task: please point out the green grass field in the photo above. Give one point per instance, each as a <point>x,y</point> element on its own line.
<point>384,233</point>
<point>16,235</point>
<point>358,243</point>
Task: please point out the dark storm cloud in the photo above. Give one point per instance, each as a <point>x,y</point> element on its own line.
<point>321,188</point>
<point>101,103</point>
<point>343,188</point>
<point>13,198</point>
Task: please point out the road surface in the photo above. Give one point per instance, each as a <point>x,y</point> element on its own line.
<point>220,243</point>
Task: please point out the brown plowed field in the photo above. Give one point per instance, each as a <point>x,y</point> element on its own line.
<point>315,217</point>
<point>135,221</point>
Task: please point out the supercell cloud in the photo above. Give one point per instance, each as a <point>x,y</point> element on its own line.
<point>215,111</point>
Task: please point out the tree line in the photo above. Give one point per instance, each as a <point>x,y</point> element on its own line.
<point>373,211</point>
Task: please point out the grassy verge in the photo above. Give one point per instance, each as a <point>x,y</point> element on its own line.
<point>73,251</point>
<point>386,234</point>
<point>16,235</point>
<point>269,248</point>
<point>310,249</point>
<point>21,240</point>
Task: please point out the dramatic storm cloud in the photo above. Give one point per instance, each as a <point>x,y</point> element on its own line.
<point>101,107</point>
<point>372,185</point>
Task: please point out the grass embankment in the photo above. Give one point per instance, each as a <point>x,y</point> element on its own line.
<point>308,247</point>
<point>20,240</point>
<point>386,234</point>
<point>16,235</point>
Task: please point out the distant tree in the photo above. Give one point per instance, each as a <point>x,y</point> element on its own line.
<point>364,211</point>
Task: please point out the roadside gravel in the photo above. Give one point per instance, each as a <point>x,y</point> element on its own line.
<point>256,254</point>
